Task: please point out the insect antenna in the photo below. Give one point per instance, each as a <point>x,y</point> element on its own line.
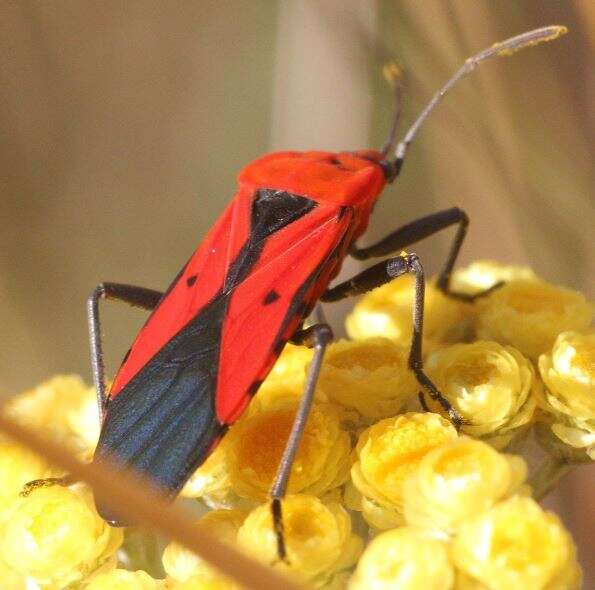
<point>501,49</point>
<point>394,76</point>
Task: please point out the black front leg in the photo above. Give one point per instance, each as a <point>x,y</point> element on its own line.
<point>418,230</point>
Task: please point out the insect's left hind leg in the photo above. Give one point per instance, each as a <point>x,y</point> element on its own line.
<point>136,296</point>
<point>131,294</point>
<point>378,275</point>
<point>317,336</point>
<point>420,229</point>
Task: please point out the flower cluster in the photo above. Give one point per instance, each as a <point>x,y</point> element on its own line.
<point>385,492</point>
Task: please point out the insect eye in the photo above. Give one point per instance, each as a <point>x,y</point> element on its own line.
<point>336,162</point>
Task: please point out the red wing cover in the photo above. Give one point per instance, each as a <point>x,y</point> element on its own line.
<point>219,328</point>
<point>267,307</point>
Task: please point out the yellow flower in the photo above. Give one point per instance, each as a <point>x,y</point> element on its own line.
<point>569,375</point>
<point>18,466</point>
<point>119,579</point>
<point>406,558</point>
<point>492,386</point>
<point>55,536</point>
<point>82,418</point>
<point>387,454</point>
<point>457,480</point>
<point>529,315</point>
<point>371,376</point>
<point>579,436</point>
<point>181,564</point>
<point>47,406</point>
<point>290,368</point>
<point>387,311</point>
<point>11,580</point>
<point>516,545</point>
<point>256,442</point>
<point>483,274</point>
<point>211,481</point>
<point>464,582</point>
<point>318,538</point>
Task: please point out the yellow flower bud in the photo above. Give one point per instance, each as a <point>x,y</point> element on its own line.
<point>318,538</point>
<point>529,315</point>
<point>119,579</point>
<point>181,564</point>
<point>256,443</point>
<point>387,454</point>
<point>55,536</point>
<point>371,376</point>
<point>406,558</point>
<point>569,398</point>
<point>387,311</point>
<point>492,386</point>
<point>18,466</point>
<point>47,406</point>
<point>483,274</point>
<point>516,545</point>
<point>457,480</point>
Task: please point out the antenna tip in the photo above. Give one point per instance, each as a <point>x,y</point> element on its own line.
<point>529,39</point>
<point>393,73</point>
<point>560,30</point>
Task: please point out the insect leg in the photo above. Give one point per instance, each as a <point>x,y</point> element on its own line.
<point>418,230</point>
<point>317,336</point>
<point>30,486</point>
<point>378,275</point>
<point>136,296</point>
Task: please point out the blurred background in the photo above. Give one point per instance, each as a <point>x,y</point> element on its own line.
<point>123,126</point>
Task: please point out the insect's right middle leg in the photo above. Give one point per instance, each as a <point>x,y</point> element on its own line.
<point>380,274</point>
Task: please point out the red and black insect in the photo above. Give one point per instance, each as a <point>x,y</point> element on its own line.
<point>215,333</point>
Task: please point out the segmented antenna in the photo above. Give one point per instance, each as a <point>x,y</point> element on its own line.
<point>502,49</point>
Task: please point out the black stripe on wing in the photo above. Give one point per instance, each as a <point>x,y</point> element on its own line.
<point>163,422</point>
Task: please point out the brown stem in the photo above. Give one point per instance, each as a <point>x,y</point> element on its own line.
<point>134,496</point>
<point>547,475</point>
